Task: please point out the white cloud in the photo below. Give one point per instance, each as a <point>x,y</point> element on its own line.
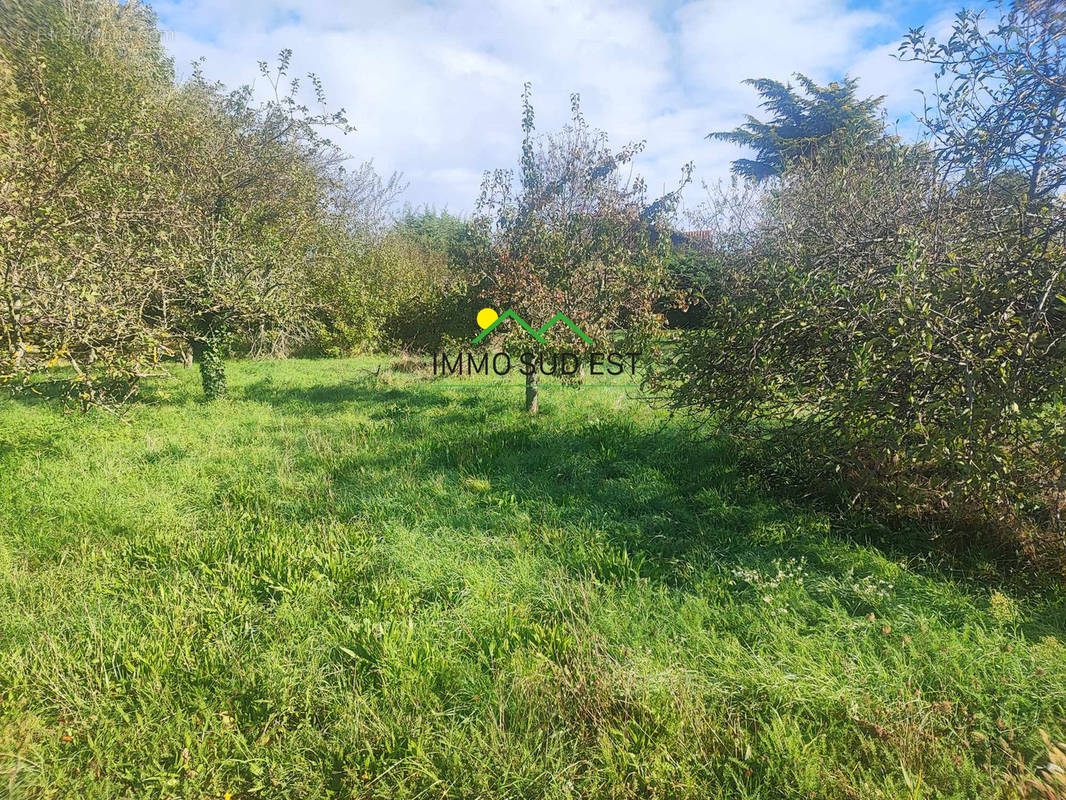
<point>881,73</point>
<point>724,42</point>
<point>433,88</point>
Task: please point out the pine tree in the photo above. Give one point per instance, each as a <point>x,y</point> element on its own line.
<point>802,125</point>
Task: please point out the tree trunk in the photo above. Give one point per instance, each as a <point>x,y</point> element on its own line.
<point>210,352</point>
<point>531,392</point>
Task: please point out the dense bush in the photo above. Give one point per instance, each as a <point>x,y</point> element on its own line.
<point>446,255</point>
<point>896,333</point>
<point>408,285</point>
<point>885,348</point>
<point>82,261</point>
<point>725,223</point>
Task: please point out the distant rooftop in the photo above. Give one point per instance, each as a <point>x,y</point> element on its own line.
<point>701,235</point>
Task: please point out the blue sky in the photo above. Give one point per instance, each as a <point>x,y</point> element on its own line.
<point>433,87</point>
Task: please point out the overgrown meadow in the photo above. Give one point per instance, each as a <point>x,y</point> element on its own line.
<point>346,581</point>
<point>823,556</point>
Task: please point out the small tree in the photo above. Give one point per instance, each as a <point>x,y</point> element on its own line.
<point>253,181</point>
<point>575,237</point>
<point>134,212</point>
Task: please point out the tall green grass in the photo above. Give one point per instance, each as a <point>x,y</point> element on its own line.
<point>337,584</point>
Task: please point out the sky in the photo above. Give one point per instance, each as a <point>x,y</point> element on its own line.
<point>433,87</point>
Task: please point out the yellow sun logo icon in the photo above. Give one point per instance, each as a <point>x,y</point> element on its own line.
<point>486,317</point>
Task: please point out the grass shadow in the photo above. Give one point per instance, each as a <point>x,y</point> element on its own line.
<point>672,505</point>
<point>332,397</point>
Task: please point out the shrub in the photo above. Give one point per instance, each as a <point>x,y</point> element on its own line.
<point>895,334</point>
<point>890,344</point>
<point>408,287</point>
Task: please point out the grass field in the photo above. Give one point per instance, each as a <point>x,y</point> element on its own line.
<point>341,585</point>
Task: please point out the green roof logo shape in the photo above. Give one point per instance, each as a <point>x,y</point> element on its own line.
<point>536,334</point>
